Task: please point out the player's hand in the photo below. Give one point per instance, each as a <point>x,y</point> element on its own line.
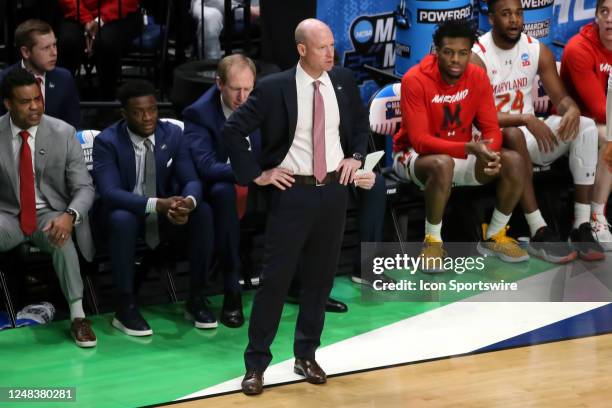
<point>365,180</point>
<point>570,123</point>
<point>59,229</point>
<point>278,177</point>
<point>347,169</point>
<point>491,159</point>
<point>541,104</point>
<point>607,155</point>
<point>493,167</point>
<point>543,134</point>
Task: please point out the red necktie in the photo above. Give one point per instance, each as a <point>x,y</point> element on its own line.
<point>27,197</point>
<point>42,96</point>
<point>318,134</point>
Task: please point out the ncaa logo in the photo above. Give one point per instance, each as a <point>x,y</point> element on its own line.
<point>363,31</point>
<point>525,58</point>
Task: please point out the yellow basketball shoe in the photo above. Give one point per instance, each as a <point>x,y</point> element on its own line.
<point>502,246</point>
<point>432,255</point>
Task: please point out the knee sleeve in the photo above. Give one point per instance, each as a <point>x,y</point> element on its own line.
<point>583,153</point>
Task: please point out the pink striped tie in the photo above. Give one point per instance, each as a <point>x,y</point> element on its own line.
<point>318,134</point>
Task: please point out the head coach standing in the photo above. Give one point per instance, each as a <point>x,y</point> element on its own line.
<point>313,137</point>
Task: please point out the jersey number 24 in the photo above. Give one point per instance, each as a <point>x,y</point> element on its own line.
<point>504,99</point>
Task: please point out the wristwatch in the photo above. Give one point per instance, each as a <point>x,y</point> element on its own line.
<point>358,156</point>
<point>74,214</point>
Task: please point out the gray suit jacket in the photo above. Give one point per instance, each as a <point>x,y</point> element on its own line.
<point>61,174</point>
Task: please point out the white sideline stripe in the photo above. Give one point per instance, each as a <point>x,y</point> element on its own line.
<point>449,330</point>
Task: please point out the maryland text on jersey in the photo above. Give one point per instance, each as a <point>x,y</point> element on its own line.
<point>510,85</point>
<point>459,96</point>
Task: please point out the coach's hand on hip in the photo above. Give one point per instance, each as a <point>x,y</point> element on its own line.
<point>280,178</point>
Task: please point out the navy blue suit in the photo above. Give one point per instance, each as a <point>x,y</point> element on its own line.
<point>305,223</point>
<point>204,120</point>
<point>61,95</point>
<point>123,212</point>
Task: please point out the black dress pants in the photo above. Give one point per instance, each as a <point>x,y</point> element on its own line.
<point>304,223</point>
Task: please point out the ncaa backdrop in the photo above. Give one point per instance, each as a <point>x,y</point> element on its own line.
<point>364,31</point>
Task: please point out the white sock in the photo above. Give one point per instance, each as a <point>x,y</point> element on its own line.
<point>597,209</point>
<point>76,309</point>
<point>535,221</point>
<point>498,222</point>
<point>434,230</point>
<point>582,214</point>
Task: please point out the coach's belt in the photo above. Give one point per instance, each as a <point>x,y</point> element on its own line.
<point>331,177</point>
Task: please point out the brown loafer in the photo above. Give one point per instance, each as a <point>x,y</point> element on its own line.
<point>252,383</point>
<point>309,368</point>
<point>82,333</point>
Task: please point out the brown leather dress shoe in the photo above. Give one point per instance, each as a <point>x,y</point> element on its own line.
<point>309,368</point>
<point>82,333</point>
<point>252,383</point>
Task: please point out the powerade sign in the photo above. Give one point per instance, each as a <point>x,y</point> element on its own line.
<point>373,40</point>
<point>425,16</point>
<point>536,4</point>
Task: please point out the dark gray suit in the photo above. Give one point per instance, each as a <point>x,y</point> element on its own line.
<point>64,182</point>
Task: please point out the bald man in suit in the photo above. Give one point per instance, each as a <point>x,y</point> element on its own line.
<point>314,132</point>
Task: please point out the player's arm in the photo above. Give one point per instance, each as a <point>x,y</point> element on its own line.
<point>486,116</point>
<point>566,107</point>
<point>579,66</point>
<point>416,121</point>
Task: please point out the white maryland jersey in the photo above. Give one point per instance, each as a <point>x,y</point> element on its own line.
<point>512,72</point>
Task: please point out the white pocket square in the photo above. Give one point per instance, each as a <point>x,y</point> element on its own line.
<point>169,163</point>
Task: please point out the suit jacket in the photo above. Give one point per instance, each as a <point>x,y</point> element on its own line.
<point>204,120</point>
<point>61,95</point>
<point>272,107</point>
<point>114,167</point>
<point>61,174</point>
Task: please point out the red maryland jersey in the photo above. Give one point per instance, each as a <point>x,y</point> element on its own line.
<point>437,118</point>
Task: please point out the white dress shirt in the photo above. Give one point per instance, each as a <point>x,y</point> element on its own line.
<point>300,156</point>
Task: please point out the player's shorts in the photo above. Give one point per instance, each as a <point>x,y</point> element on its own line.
<point>464,173</point>
<point>582,150</point>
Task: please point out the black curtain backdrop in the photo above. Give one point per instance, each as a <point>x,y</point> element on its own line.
<point>278,21</point>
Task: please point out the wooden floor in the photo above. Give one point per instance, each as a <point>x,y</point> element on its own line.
<point>573,373</point>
